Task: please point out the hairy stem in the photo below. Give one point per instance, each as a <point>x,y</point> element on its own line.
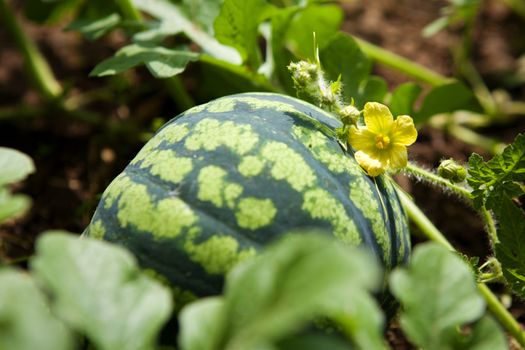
<point>434,179</point>
<point>402,64</point>
<point>493,304</point>
<point>518,6</point>
<point>35,63</point>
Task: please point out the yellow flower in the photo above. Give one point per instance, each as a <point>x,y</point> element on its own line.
<point>382,143</point>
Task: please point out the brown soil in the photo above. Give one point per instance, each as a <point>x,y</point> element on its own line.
<point>75,161</point>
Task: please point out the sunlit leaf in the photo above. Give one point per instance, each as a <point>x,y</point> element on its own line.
<point>237,25</point>
<point>98,289</point>
<point>94,29</point>
<point>162,62</point>
<point>446,99</point>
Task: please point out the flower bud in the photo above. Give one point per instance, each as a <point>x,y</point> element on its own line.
<point>303,73</point>
<point>452,171</point>
<point>349,115</point>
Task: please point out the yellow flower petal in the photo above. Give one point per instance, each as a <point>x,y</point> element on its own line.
<point>378,118</point>
<point>372,166</point>
<point>398,156</point>
<point>403,131</point>
<point>361,139</point>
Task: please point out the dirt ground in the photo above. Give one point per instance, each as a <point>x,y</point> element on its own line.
<point>76,161</point>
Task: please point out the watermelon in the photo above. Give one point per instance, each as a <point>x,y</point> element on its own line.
<point>219,182</point>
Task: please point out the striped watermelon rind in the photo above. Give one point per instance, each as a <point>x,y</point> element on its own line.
<point>222,180</point>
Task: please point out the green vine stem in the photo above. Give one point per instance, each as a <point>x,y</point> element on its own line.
<point>174,85</point>
<point>493,304</point>
<point>427,176</point>
<point>35,63</point>
<point>402,64</point>
<point>434,179</point>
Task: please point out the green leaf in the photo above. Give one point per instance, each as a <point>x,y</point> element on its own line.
<point>280,22</point>
<point>342,56</point>
<point>438,293</point>
<point>496,178</point>
<point>373,89</point>
<point>485,335</point>
<point>510,250</point>
<point>436,26</point>
<point>98,289</point>
<point>170,15</point>
<point>15,166</point>
<point>161,62</point>
<point>276,295</point>
<point>324,21</point>
<point>46,11</point>
<point>94,29</point>
<point>25,320</point>
<point>203,12</point>
<point>12,206</point>
<point>237,25</point>
<point>200,324</point>
<point>314,341</point>
<point>447,98</point>
<point>403,99</point>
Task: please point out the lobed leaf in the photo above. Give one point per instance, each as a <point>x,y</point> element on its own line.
<point>497,178</point>
<point>98,289</point>
<point>162,62</point>
<point>25,320</point>
<point>439,295</point>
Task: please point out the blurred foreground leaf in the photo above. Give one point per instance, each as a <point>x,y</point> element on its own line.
<point>25,320</point>
<point>236,26</point>
<point>267,299</point>
<point>14,166</point>
<point>98,289</point>
<point>439,295</point>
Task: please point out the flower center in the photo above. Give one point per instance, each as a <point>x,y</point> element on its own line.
<point>382,141</point>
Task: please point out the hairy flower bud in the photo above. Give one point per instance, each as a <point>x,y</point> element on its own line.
<point>303,73</point>
<point>349,115</point>
<point>452,171</point>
